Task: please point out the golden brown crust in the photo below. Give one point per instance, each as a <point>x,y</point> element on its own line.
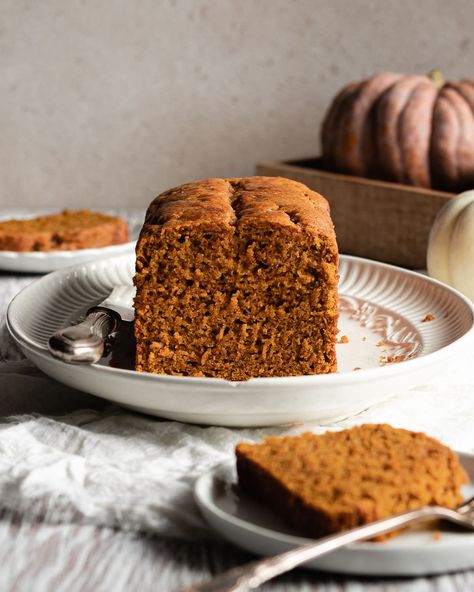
<point>239,201</point>
<point>237,278</point>
<point>68,230</point>
<point>328,483</point>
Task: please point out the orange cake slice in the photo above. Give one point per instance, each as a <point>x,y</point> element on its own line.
<point>67,230</point>
<point>237,278</point>
<point>324,484</point>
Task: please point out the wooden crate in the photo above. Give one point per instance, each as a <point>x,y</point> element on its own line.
<point>374,219</point>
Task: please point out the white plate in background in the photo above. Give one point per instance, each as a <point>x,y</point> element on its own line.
<point>379,304</point>
<point>44,262</point>
<point>250,525</point>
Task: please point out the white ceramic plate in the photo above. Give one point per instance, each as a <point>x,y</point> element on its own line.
<point>379,304</point>
<point>252,526</point>
<point>44,262</point>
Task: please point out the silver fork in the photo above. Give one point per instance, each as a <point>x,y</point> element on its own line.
<point>252,575</point>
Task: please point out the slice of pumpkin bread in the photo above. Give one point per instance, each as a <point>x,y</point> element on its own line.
<point>64,231</point>
<point>237,278</point>
<point>324,484</point>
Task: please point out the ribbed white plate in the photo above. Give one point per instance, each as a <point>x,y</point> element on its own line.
<point>252,526</point>
<point>382,313</point>
<point>44,262</point>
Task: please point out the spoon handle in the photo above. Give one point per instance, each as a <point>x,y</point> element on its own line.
<point>251,575</point>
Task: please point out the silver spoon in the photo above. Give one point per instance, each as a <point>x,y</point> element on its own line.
<point>252,575</point>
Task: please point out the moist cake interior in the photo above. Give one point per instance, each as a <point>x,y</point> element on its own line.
<point>236,300</point>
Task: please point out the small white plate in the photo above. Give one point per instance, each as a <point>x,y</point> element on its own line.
<point>382,312</point>
<point>252,526</point>
<point>44,262</point>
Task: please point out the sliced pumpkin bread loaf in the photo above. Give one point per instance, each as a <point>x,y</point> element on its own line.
<point>237,278</point>
<point>67,230</point>
<point>324,484</point>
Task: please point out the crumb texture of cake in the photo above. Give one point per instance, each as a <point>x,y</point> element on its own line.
<point>237,278</point>
<point>324,484</point>
<point>67,230</point>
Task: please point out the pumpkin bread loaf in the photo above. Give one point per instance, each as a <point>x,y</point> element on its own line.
<point>324,484</point>
<point>68,230</point>
<point>237,278</point>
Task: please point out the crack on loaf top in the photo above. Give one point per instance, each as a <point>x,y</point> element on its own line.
<point>252,199</point>
<point>235,202</point>
<point>236,190</point>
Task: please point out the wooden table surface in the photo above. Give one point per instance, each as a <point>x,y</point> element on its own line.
<point>73,558</point>
<point>80,558</point>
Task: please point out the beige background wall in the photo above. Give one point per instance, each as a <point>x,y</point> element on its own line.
<point>109,102</point>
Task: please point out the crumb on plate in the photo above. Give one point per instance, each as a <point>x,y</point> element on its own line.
<point>384,360</point>
<point>428,317</point>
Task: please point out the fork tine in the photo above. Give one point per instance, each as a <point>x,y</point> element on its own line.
<point>466,505</point>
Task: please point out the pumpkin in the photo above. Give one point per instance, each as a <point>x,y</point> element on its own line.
<point>451,244</point>
<point>413,129</point>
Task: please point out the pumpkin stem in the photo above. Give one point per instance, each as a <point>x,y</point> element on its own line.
<point>437,78</point>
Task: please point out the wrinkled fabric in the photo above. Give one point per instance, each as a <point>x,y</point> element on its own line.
<point>69,457</point>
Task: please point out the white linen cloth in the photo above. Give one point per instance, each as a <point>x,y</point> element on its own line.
<point>70,457</point>
<point>67,456</point>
